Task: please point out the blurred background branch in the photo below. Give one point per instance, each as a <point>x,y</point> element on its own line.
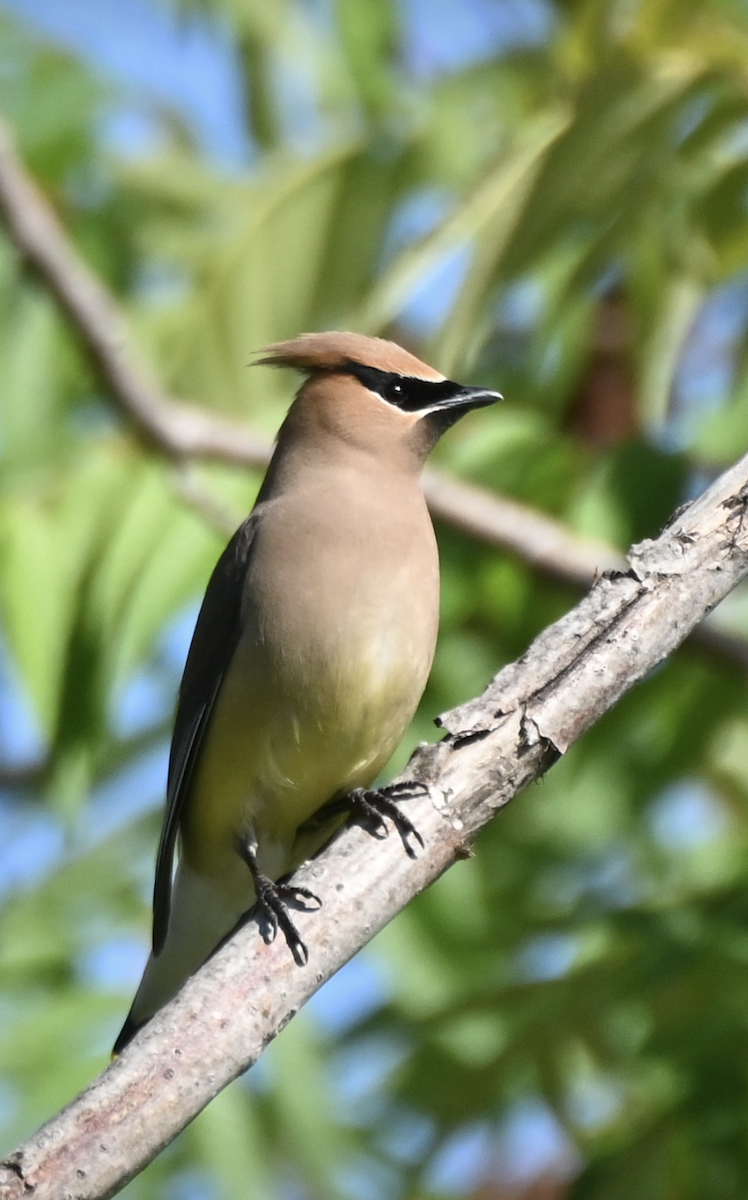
<point>181,432</point>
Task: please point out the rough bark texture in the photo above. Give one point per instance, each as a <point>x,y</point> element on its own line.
<point>497,744</point>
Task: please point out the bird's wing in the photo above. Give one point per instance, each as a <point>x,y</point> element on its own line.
<point>217,632</point>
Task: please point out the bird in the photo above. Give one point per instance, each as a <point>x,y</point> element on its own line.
<point>310,654</point>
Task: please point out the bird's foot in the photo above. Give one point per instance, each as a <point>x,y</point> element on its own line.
<point>373,807</point>
<point>273,900</point>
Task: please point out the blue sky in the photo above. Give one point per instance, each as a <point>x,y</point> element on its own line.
<point>186,60</point>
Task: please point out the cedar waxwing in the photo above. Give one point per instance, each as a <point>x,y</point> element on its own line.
<point>311,651</point>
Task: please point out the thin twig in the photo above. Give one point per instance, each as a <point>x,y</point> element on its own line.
<point>175,429</point>
<point>537,538</point>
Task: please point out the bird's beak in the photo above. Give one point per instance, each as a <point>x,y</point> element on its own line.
<point>467,398</point>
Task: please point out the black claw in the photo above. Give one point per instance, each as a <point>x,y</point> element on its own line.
<point>292,892</point>
<point>363,804</point>
<point>273,900</point>
<point>375,806</point>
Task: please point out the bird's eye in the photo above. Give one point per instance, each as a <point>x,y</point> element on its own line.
<point>394,392</point>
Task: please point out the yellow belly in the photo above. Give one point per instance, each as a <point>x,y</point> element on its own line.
<point>277,748</point>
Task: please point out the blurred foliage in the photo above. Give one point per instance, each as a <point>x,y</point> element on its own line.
<point>564,218</point>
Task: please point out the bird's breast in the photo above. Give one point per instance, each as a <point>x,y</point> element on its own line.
<point>349,671</point>
<point>339,629</point>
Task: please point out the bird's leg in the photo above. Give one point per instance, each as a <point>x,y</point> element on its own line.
<point>273,899</point>
<point>373,807</point>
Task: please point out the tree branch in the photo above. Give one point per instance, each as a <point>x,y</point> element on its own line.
<point>497,744</point>
<point>173,428</point>
<point>508,525</point>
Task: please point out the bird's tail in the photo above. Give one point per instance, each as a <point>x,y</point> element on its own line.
<point>204,911</point>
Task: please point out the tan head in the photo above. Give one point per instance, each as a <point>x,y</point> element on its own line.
<point>370,393</point>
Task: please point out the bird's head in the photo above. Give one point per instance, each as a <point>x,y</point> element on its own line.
<point>371,393</point>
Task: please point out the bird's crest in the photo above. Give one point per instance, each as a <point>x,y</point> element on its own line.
<point>335,351</point>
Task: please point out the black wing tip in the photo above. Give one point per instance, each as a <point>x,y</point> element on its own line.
<point>161,909</point>
<point>126,1034</point>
